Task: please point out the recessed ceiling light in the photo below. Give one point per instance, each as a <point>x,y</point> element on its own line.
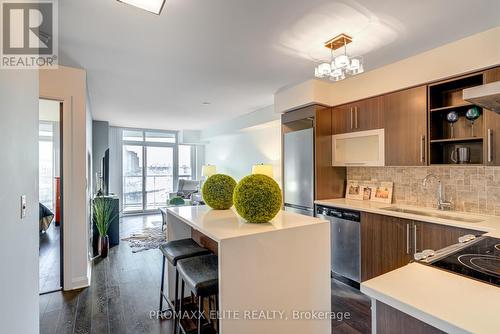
<point>153,6</point>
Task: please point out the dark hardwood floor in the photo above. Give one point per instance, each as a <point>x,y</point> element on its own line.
<point>49,259</point>
<point>348,299</point>
<point>125,288</point>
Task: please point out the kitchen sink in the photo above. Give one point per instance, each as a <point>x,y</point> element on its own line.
<point>433,214</point>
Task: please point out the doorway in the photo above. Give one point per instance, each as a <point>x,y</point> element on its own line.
<point>50,196</point>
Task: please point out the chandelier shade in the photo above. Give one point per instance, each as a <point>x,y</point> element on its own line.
<point>342,65</point>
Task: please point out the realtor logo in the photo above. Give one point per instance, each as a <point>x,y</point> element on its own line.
<point>29,34</point>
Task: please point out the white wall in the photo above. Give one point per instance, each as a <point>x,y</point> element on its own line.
<point>234,153</point>
<point>19,176</point>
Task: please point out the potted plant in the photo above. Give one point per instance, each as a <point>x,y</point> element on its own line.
<point>103,215</point>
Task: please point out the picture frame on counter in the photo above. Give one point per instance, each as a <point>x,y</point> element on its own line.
<point>383,193</point>
<point>370,191</point>
<point>354,190</point>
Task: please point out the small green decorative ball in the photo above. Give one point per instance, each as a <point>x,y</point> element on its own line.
<point>257,198</point>
<point>218,190</point>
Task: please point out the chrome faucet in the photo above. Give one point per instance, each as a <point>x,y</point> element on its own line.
<point>442,204</point>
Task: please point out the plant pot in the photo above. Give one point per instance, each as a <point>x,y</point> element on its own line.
<point>103,246</point>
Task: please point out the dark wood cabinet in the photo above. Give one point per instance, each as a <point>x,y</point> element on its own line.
<point>342,119</point>
<point>416,130</point>
<point>358,116</point>
<point>405,123</point>
<point>329,182</point>
<point>393,321</point>
<point>368,114</point>
<point>435,236</point>
<point>385,244</point>
<point>492,125</point>
<point>388,243</point>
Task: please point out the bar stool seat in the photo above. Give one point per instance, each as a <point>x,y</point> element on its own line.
<point>181,249</point>
<point>201,274</point>
<point>173,251</point>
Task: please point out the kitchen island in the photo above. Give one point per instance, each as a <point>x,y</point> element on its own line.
<point>272,276</point>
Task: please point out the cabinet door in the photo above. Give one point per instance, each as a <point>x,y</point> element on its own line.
<point>405,123</point>
<point>343,119</point>
<point>385,244</point>
<point>492,125</point>
<point>329,181</point>
<point>368,114</point>
<point>435,236</point>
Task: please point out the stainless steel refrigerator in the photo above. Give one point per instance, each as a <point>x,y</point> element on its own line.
<point>298,171</point>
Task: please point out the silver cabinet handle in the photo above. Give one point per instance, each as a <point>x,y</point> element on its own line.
<point>415,238</point>
<point>490,143</point>
<point>422,149</point>
<point>351,118</point>
<point>408,239</point>
<point>356,117</point>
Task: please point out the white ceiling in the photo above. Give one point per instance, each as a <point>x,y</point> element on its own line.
<point>157,71</point>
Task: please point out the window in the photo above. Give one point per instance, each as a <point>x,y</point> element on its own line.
<point>47,144</point>
<point>159,175</point>
<point>46,173</point>
<point>153,163</point>
<point>132,177</point>
<point>161,137</point>
<point>131,135</point>
<point>185,162</point>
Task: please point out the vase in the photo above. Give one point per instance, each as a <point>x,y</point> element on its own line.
<point>103,246</point>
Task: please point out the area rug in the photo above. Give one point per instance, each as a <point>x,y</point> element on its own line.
<point>148,238</point>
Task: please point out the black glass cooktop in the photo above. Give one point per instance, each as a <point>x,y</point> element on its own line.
<point>480,260</point>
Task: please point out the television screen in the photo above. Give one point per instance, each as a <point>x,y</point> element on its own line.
<point>105,173</point>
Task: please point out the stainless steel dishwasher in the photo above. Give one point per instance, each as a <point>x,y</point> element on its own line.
<point>345,232</point>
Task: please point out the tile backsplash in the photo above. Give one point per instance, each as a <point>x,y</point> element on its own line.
<point>470,189</point>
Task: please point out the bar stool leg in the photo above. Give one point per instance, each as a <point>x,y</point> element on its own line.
<point>210,308</point>
<point>200,313</point>
<point>176,293</point>
<point>162,283</point>
<point>180,307</point>
<point>217,311</point>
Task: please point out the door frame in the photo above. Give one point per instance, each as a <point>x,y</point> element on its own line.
<point>62,266</point>
<point>66,117</point>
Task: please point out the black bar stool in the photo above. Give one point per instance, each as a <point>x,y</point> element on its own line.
<point>201,275</point>
<point>174,251</point>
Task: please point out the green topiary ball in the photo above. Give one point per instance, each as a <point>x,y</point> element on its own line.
<point>218,190</point>
<point>257,198</point>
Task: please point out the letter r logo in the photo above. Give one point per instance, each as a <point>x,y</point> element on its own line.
<point>27,28</point>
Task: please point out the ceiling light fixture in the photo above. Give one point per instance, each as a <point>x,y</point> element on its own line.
<point>152,6</point>
<point>342,65</point>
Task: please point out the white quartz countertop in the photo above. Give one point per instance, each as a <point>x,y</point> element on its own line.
<point>489,224</point>
<point>226,224</point>
<point>450,302</point>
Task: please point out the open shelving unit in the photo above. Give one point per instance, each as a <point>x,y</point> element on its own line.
<point>444,97</point>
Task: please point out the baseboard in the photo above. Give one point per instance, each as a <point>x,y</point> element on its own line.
<point>80,282</point>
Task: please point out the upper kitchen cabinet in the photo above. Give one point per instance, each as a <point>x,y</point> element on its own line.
<point>405,121</point>
<point>358,116</point>
<point>329,182</point>
<point>492,125</point>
